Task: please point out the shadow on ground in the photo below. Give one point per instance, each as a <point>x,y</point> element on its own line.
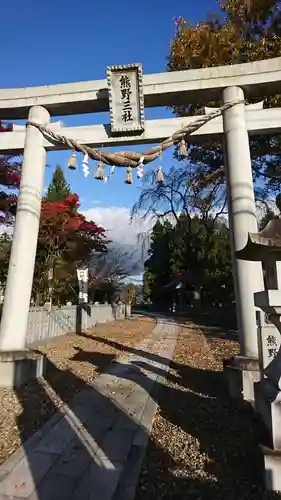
<point>194,402</point>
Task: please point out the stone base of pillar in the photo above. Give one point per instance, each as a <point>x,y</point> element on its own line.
<point>268,405</point>
<point>272,468</point>
<point>241,373</point>
<point>17,367</point>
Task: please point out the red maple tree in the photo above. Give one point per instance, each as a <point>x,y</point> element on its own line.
<point>66,240</point>
<point>10,167</point>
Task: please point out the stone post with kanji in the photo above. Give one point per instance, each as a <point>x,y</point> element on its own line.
<point>265,246</point>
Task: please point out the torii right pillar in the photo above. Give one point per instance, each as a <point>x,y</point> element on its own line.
<point>241,371</point>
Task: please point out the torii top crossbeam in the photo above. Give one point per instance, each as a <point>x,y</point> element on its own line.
<point>257,79</point>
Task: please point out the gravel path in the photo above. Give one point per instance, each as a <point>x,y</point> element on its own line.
<point>73,361</point>
<point>202,446</point>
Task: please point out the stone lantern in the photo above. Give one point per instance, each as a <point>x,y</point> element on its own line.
<point>265,246</point>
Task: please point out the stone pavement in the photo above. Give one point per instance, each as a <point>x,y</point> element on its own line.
<point>92,449</point>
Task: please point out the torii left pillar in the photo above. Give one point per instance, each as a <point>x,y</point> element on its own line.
<point>18,364</point>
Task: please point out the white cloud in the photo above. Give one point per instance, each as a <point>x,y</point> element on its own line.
<point>95,202</point>
<point>123,233</point>
<point>116,221</point>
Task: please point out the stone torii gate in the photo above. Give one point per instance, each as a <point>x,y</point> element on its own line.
<point>228,83</point>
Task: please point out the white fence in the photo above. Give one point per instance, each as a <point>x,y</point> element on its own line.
<point>44,323</point>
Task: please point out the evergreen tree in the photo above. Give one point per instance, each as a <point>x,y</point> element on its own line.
<point>58,189</point>
<point>189,248</point>
<point>157,267</point>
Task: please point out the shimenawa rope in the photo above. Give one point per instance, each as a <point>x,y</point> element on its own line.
<point>130,158</point>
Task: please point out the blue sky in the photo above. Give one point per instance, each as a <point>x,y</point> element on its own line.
<point>65,41</point>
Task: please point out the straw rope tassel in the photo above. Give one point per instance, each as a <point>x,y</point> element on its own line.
<point>183,149</point>
<point>100,174</point>
<point>159,174</point>
<point>72,164</point>
<point>129,176</point>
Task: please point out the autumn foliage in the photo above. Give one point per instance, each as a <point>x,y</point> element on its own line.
<point>66,240</point>
<point>9,180</point>
<point>65,214</point>
<point>240,31</point>
<point>65,233</point>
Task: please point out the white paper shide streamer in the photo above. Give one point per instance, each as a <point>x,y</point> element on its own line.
<point>140,168</point>
<point>85,165</point>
